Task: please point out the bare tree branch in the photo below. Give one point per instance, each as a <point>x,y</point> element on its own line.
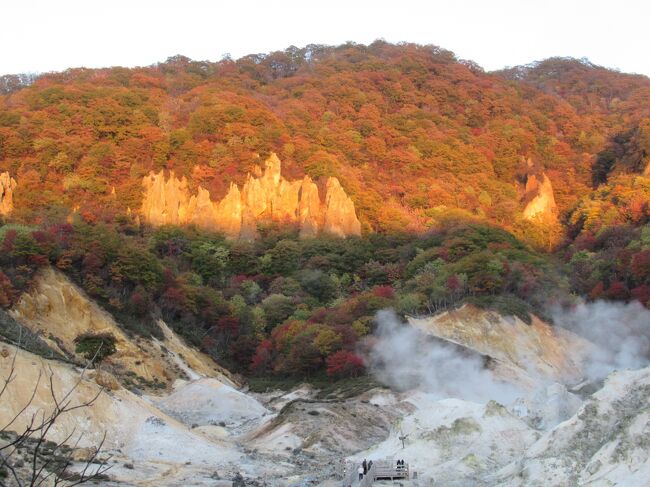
<point>34,435</point>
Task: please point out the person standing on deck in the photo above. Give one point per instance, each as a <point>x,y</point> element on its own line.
<point>360,473</point>
<point>365,466</point>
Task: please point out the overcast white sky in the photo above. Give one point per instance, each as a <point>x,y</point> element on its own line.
<point>46,35</point>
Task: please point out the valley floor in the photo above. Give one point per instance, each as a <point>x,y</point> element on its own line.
<point>465,406</point>
<point>206,433</point>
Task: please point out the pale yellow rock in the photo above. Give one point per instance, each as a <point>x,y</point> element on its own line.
<point>340,217</point>
<point>266,197</point>
<point>309,208</point>
<point>229,212</point>
<point>84,454</point>
<point>107,380</point>
<point>254,197</point>
<point>59,311</point>
<point>284,204</point>
<point>539,194</point>
<point>538,349</point>
<point>538,199</point>
<point>165,201</point>
<point>7,187</point>
<point>201,211</point>
<point>119,417</point>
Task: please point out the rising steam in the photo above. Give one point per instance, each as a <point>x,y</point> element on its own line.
<point>619,331</point>
<point>405,358</point>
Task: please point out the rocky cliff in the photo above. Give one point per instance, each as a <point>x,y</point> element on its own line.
<point>457,443</point>
<point>538,199</point>
<point>58,311</point>
<point>521,353</point>
<point>133,429</point>
<point>7,186</point>
<point>268,197</point>
<point>605,443</point>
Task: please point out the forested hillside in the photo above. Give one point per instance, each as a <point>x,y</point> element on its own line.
<point>410,131</point>
<point>439,158</point>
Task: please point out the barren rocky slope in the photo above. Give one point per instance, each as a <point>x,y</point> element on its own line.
<point>519,352</point>
<point>204,428</point>
<point>59,312</point>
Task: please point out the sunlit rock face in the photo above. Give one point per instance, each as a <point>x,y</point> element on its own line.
<point>7,187</point>
<point>522,353</point>
<point>59,312</point>
<point>539,199</point>
<point>264,198</point>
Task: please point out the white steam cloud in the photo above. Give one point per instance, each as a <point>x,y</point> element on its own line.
<point>404,358</point>
<point>621,333</point>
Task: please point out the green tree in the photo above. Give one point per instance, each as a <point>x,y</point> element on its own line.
<point>281,259</point>
<point>209,260</point>
<point>277,308</point>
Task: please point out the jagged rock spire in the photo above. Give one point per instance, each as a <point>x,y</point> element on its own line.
<point>268,197</point>
<point>7,187</point>
<point>538,199</point>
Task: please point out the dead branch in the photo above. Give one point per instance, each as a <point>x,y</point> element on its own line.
<point>34,436</point>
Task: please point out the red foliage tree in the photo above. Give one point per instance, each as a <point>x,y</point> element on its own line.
<point>617,291</point>
<point>598,291</point>
<point>384,292</point>
<point>243,350</point>
<point>228,325</point>
<point>263,357</point>
<point>139,303</point>
<point>642,294</point>
<point>7,292</point>
<point>453,284</point>
<point>173,300</point>
<point>208,343</point>
<point>344,364</point>
<point>640,267</point>
<point>8,242</point>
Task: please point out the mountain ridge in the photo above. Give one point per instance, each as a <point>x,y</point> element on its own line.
<point>408,130</point>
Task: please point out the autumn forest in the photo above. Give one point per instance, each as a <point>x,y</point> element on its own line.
<point>512,190</point>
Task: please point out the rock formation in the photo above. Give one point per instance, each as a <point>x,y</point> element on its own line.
<point>538,197</point>
<point>521,353</point>
<point>7,186</point>
<point>58,311</point>
<point>268,197</point>
<point>604,443</point>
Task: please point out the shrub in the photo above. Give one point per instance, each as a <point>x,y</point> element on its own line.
<point>277,308</point>
<point>344,364</point>
<point>95,346</point>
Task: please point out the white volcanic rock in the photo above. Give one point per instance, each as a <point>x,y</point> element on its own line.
<point>607,442</point>
<point>522,353</point>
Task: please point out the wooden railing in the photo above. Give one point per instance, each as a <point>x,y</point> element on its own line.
<point>381,469</point>
<point>389,470</point>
